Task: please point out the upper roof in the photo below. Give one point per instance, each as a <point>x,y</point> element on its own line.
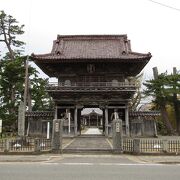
<point>86,47</point>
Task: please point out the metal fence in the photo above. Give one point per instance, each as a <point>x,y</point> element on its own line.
<point>128,145</point>
<point>25,145</point>
<point>154,146</point>
<point>2,145</point>
<point>174,146</point>
<point>20,145</point>
<point>45,144</point>
<point>151,146</point>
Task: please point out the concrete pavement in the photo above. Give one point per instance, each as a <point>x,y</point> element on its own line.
<point>56,158</point>
<point>86,167</point>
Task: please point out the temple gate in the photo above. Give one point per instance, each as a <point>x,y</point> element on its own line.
<point>93,71</point>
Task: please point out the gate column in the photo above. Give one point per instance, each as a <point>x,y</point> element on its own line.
<point>75,121</point>
<point>106,121</point>
<point>127,121</point>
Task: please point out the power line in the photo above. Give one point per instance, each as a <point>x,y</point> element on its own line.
<point>165,5</point>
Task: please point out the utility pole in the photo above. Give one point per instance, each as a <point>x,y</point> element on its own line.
<point>26,82</point>
<point>176,103</point>
<point>22,106</point>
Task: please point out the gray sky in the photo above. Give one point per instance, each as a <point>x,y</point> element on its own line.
<point>151,27</point>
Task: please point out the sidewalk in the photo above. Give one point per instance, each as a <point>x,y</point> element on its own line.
<point>24,158</point>
<point>158,159</point>
<point>59,157</point>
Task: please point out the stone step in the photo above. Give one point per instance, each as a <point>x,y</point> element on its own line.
<point>91,136</point>
<point>88,151</point>
<point>89,143</point>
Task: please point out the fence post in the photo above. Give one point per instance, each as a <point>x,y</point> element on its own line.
<point>7,147</point>
<point>136,146</point>
<point>165,145</point>
<point>37,145</point>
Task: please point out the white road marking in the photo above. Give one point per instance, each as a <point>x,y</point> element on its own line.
<point>117,164</point>
<point>88,164</point>
<point>79,164</point>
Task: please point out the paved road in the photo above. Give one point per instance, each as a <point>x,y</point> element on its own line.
<point>88,168</point>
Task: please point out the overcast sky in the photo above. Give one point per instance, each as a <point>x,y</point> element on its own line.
<point>151,27</point>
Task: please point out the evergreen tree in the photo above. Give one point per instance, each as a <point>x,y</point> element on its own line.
<point>9,30</point>
<point>12,76</point>
<point>163,89</point>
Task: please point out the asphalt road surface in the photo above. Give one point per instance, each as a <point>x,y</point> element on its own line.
<point>88,168</point>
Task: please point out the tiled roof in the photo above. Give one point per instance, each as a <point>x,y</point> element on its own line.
<point>144,113</point>
<point>93,112</point>
<point>91,47</point>
<point>40,114</point>
<point>131,113</point>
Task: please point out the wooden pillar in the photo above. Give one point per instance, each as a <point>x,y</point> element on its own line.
<point>69,120</point>
<point>97,121</point>
<point>55,114</point>
<point>103,120</point>
<point>89,121</point>
<point>75,121</point>
<point>106,121</point>
<point>79,120</point>
<point>127,121</point>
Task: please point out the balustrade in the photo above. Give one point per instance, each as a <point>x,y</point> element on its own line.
<point>92,86</point>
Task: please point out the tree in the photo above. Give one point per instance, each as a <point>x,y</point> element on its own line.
<point>40,98</point>
<point>12,78</point>
<point>156,89</point>
<point>9,30</point>
<point>165,88</point>
<point>173,89</point>
<point>12,75</point>
<point>138,95</point>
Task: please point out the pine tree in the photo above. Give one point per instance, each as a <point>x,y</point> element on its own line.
<point>12,75</point>
<point>165,89</point>
<point>9,30</point>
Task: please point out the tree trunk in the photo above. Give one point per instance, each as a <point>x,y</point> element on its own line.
<point>11,53</point>
<point>166,120</point>
<point>12,110</point>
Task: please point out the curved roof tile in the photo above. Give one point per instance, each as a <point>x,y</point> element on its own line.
<point>91,47</point>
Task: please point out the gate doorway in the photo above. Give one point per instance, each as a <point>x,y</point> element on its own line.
<point>92,121</point>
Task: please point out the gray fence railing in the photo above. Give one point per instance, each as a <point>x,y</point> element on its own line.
<point>174,146</point>
<point>130,145</point>
<point>24,145</point>
<point>154,146</point>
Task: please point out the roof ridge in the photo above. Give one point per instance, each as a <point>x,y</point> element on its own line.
<point>137,53</point>
<point>104,36</point>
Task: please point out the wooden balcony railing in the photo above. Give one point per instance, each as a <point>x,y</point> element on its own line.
<point>91,86</point>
